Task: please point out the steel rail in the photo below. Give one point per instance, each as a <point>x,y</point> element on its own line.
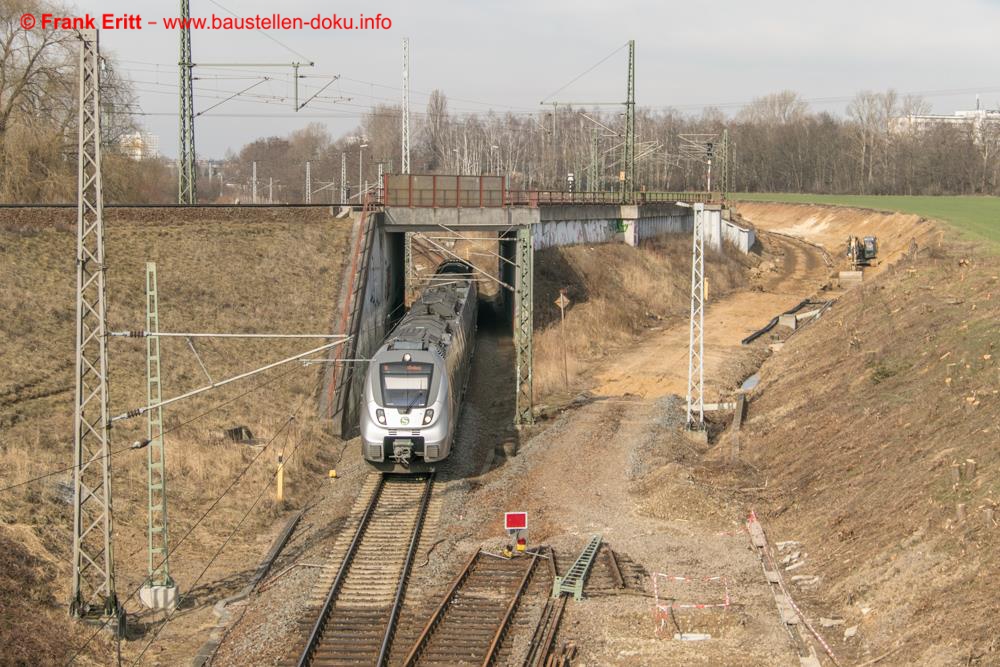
<point>616,571</point>
<point>315,635</point>
<point>162,334</point>
<point>404,575</point>
<point>209,206</point>
<point>338,582</point>
<point>438,614</point>
<point>511,608</point>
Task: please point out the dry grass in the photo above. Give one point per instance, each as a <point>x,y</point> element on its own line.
<point>617,292</point>
<point>247,271</point>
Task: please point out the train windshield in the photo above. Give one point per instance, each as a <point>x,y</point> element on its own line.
<point>406,384</point>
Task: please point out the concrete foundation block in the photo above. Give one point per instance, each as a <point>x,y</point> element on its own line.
<point>788,320</point>
<point>160,598</point>
<point>700,437</point>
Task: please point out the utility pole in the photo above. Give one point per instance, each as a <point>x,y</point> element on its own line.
<point>270,189</point>
<point>593,175</point>
<point>628,159</point>
<point>343,178</point>
<point>93,586</point>
<point>696,338</point>
<point>725,184</point>
<point>361,162</point>
<point>406,106</point>
<point>405,169</point>
<point>709,154</point>
<point>159,591</point>
<point>187,170</point>
<point>309,197</point>
<point>253,197</point>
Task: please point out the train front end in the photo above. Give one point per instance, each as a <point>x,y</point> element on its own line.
<point>405,424</point>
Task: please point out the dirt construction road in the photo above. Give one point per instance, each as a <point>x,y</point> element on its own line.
<point>658,366</point>
<point>622,468</point>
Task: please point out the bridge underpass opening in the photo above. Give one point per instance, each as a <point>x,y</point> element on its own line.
<point>501,263</point>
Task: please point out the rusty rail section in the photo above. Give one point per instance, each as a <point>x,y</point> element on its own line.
<point>470,624</point>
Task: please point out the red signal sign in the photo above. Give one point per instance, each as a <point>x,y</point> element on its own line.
<point>515,520</point>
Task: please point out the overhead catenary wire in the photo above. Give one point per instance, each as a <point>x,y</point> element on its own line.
<point>177,543</point>
<point>330,83</point>
<point>583,74</point>
<point>135,412</point>
<point>939,92</point>
<point>239,524</point>
<point>133,447</point>
<point>263,32</point>
<point>232,97</point>
<point>398,88</point>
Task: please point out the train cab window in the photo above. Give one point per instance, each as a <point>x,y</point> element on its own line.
<point>406,385</point>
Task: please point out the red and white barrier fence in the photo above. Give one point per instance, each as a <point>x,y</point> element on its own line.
<point>664,606</point>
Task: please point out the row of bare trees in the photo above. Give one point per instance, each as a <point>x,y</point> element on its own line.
<point>777,144</point>
<point>39,115</point>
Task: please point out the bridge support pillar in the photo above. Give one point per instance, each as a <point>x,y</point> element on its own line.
<point>629,217</point>
<point>407,267</point>
<point>523,324</point>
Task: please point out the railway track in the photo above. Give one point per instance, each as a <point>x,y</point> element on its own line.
<point>356,622</point>
<point>480,608</point>
<point>614,573</point>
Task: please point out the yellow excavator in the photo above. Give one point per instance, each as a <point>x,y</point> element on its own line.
<point>861,252</point>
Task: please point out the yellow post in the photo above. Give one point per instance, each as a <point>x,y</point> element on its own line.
<point>280,496</point>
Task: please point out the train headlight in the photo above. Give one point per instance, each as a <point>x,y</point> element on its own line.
<point>380,415</point>
<point>428,416</point>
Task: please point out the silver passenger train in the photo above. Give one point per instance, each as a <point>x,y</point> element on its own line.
<point>415,382</point>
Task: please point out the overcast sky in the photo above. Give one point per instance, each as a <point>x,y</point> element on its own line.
<point>511,55</point>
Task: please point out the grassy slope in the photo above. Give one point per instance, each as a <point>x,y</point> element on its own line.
<point>238,271</point>
<point>977,218</point>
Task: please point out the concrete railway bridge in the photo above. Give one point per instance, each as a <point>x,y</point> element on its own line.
<point>419,220</point>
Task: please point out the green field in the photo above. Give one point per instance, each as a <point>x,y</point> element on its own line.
<point>976,218</point>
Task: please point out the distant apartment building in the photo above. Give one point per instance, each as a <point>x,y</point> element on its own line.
<point>140,145</point>
<point>977,120</point>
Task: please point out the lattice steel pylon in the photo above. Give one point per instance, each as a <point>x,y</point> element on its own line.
<point>159,571</point>
<point>725,182</point>
<point>628,159</point>
<point>93,586</point>
<point>309,182</point>
<point>696,347</point>
<point>405,164</point>
<point>343,178</point>
<point>523,324</point>
<point>187,171</point>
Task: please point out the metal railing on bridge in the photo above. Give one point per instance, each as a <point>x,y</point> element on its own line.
<point>448,191</point>
<point>543,197</point>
